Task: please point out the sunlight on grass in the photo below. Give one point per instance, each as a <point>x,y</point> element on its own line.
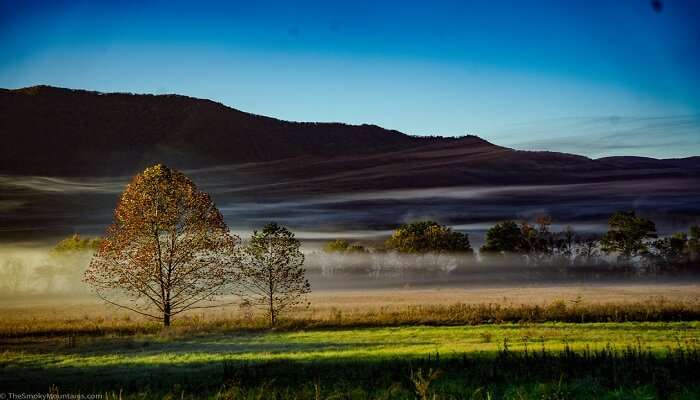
<point>349,344</point>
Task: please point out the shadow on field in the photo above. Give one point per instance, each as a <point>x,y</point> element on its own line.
<point>574,374</point>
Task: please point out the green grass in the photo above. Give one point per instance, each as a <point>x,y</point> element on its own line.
<point>369,360</point>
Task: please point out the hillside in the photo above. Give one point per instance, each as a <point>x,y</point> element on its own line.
<point>62,132</point>
<point>74,132</point>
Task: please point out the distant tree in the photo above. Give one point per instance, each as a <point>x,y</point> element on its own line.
<point>343,246</point>
<point>273,272</point>
<point>356,248</point>
<point>669,252</point>
<point>678,251</point>
<point>428,237</point>
<point>627,235</point>
<point>336,246</point>
<point>694,244</point>
<point>528,238</point>
<point>538,242</point>
<point>566,242</point>
<point>587,249</point>
<point>76,243</point>
<point>502,238</point>
<point>168,249</point>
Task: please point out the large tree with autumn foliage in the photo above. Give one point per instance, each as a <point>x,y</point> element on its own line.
<point>168,250</point>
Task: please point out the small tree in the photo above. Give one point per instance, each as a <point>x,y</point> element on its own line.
<point>587,250</point>
<point>566,242</point>
<point>75,243</point>
<point>694,244</point>
<point>169,249</point>
<point>669,252</point>
<point>336,246</point>
<point>428,237</point>
<point>356,248</point>
<point>273,270</point>
<point>627,235</point>
<point>502,238</point>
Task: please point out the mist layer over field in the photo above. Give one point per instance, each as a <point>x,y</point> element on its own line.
<point>34,273</point>
<point>36,208</point>
<point>354,205</point>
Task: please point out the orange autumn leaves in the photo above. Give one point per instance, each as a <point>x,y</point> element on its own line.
<point>168,248</point>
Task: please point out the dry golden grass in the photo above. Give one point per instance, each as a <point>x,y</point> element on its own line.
<point>376,307</point>
<point>504,295</point>
<point>381,299</point>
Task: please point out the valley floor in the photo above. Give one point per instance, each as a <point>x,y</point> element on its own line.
<point>404,343</point>
<point>203,365</point>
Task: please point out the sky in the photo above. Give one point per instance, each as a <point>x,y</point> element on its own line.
<point>591,77</point>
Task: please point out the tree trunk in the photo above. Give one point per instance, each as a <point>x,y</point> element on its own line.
<point>166,315</point>
<point>272,314</point>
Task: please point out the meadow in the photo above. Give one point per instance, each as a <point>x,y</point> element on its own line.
<point>354,363</point>
<point>543,342</point>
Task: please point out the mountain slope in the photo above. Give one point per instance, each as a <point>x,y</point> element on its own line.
<point>62,132</point>
<point>73,132</point>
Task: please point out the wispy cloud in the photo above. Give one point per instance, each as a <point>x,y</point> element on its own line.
<point>64,185</point>
<point>659,137</point>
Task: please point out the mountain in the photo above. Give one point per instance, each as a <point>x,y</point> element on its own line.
<point>63,132</point>
<point>75,132</point>
<point>66,154</point>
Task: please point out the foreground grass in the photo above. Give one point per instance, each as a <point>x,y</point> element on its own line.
<point>588,359</point>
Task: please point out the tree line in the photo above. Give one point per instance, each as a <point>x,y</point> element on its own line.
<point>631,241</point>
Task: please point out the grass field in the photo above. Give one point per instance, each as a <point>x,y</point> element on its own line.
<point>355,347</point>
<point>199,365</point>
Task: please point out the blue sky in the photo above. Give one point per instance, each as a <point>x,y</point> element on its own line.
<point>591,77</point>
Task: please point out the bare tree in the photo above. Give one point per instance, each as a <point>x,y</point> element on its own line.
<point>168,249</point>
<point>272,271</point>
